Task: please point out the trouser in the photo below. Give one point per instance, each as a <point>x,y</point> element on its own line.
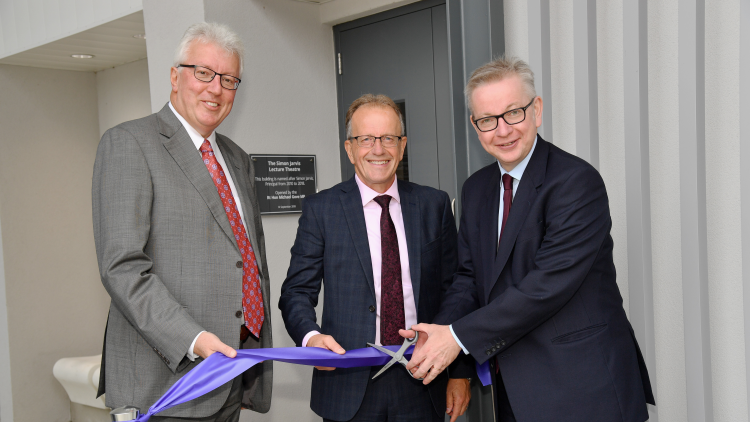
<point>504,411</point>
<point>394,396</point>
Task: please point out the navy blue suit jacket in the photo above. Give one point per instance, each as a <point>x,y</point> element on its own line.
<point>546,304</point>
<point>332,246</point>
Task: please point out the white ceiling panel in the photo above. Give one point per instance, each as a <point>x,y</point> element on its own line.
<point>112,44</point>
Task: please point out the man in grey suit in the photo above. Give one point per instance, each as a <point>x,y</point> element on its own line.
<point>180,243</point>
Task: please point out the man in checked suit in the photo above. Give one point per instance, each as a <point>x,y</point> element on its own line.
<point>386,249</point>
<point>180,243</point>
<point>535,292</point>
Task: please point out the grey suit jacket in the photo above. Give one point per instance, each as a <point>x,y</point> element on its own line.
<point>169,261</point>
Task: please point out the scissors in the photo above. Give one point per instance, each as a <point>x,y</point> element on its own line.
<point>398,356</point>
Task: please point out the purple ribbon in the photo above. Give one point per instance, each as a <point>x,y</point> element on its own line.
<point>218,369</point>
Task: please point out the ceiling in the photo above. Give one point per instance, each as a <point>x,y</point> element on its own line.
<point>112,44</point>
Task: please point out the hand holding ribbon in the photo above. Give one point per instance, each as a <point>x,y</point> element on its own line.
<point>218,369</point>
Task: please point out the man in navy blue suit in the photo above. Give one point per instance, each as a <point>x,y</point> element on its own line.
<point>535,291</point>
<point>386,249</point>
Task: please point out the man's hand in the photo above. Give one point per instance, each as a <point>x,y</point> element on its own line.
<point>457,397</point>
<point>207,344</point>
<point>325,342</point>
<point>433,355</point>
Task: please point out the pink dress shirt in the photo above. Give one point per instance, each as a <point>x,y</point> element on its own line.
<point>372,213</point>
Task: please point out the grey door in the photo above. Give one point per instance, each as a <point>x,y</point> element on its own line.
<point>403,53</point>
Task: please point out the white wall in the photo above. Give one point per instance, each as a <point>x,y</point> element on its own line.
<point>122,94</point>
<point>27,24</point>
<point>289,71</point>
<point>723,211</point>
<point>728,387</point>
<point>56,306</point>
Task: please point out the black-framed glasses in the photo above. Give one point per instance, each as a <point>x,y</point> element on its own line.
<point>511,117</point>
<point>204,74</point>
<point>368,141</point>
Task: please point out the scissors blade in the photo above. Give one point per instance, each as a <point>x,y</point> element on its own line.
<point>382,349</point>
<point>384,368</point>
<point>395,357</point>
<point>390,362</point>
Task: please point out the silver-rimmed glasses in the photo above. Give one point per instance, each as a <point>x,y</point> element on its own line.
<point>368,141</point>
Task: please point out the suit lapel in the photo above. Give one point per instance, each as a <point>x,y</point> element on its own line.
<point>525,195</point>
<point>351,202</point>
<point>488,226</point>
<point>179,145</point>
<point>412,223</point>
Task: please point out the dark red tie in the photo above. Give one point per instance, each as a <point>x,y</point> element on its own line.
<point>252,299</point>
<point>392,316</point>
<point>507,201</point>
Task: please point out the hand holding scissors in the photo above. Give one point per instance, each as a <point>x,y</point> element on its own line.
<point>397,356</point>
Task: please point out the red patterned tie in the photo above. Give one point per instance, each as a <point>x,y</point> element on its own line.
<point>392,316</point>
<point>252,300</point>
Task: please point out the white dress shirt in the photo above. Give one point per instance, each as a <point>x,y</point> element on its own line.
<point>198,141</point>
<point>372,213</point>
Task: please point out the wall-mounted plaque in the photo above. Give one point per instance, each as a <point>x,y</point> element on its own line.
<point>283,181</point>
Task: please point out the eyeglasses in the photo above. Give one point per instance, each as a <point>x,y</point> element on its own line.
<point>511,117</point>
<point>368,141</point>
<point>205,74</point>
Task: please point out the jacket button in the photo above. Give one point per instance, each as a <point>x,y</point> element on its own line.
<point>238,314</point>
<point>239,264</point>
<point>488,352</point>
<point>372,308</point>
<point>502,343</point>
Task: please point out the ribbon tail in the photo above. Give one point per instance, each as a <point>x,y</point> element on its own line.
<point>218,369</point>
<point>483,372</point>
<point>207,376</point>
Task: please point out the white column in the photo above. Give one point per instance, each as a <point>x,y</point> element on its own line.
<point>637,182</point>
<point>691,81</point>
<point>166,22</point>
<point>586,103</point>
<point>6,391</point>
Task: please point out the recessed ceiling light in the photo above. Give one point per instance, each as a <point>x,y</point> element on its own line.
<point>82,56</point>
<point>140,36</point>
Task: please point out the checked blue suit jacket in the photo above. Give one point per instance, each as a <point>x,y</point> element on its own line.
<point>332,247</point>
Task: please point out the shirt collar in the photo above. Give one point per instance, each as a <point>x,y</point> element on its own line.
<point>194,135</point>
<point>518,170</point>
<point>369,194</point>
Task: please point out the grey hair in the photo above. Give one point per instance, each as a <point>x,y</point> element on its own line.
<point>379,100</point>
<point>497,70</point>
<point>214,33</point>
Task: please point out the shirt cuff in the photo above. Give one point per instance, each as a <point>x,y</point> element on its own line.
<point>307,337</point>
<point>190,354</point>
<point>455,337</point>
